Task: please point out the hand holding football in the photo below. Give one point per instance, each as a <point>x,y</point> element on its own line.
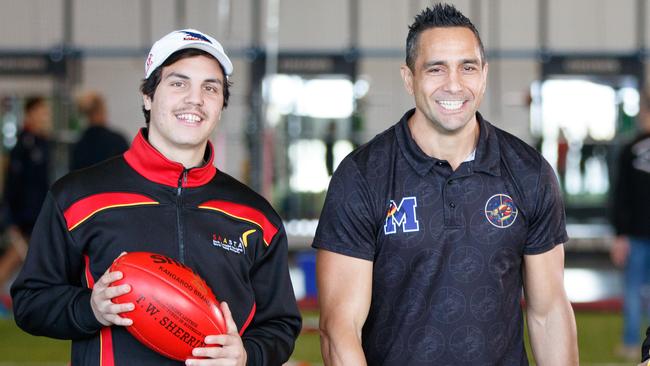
<point>174,308</point>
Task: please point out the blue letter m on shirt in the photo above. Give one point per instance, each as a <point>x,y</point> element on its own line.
<point>403,215</point>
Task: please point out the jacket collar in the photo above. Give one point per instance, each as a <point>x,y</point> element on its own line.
<point>154,166</point>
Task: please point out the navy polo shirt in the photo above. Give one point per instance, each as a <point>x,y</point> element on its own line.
<point>447,245</point>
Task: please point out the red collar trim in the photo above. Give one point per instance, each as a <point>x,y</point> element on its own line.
<point>154,166</point>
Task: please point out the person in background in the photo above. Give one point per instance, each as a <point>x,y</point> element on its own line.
<point>645,349</point>
<point>330,140</point>
<point>26,183</point>
<point>98,142</point>
<point>631,221</point>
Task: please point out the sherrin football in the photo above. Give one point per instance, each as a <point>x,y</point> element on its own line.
<point>174,308</point>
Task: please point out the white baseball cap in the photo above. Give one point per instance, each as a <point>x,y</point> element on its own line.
<point>183,39</point>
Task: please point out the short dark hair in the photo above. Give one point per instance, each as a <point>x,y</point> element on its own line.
<point>33,102</point>
<point>149,85</point>
<point>438,16</point>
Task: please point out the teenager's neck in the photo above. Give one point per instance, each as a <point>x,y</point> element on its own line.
<point>189,158</point>
<point>453,147</point>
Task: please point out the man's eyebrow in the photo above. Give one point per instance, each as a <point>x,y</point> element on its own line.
<point>178,75</point>
<point>217,81</point>
<point>185,77</point>
<point>445,63</point>
<point>472,61</point>
<point>434,63</point>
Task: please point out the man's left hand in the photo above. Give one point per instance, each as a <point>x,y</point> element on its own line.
<point>232,350</point>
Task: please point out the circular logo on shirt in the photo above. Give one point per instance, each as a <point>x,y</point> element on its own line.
<point>426,344</point>
<point>466,264</point>
<point>448,305</point>
<point>497,338</point>
<point>500,210</point>
<point>467,343</point>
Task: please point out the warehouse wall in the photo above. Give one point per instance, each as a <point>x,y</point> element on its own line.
<point>115,36</point>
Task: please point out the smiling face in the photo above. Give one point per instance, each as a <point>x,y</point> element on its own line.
<point>448,78</point>
<point>186,107</point>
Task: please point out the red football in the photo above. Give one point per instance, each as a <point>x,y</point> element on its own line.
<point>174,308</point>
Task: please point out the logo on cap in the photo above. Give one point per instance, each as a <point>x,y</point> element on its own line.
<point>148,62</point>
<point>185,39</point>
<point>193,36</point>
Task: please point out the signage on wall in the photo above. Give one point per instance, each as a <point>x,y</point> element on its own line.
<point>310,63</point>
<point>597,65</point>
<point>33,63</point>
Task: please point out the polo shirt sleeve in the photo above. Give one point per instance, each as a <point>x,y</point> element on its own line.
<point>347,225</point>
<point>547,224</point>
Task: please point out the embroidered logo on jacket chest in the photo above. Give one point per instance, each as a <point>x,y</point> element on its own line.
<point>233,244</point>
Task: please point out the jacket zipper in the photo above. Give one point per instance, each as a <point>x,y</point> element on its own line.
<point>179,222</point>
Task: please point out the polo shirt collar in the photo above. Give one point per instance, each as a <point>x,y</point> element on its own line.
<point>419,161</point>
<point>487,153</point>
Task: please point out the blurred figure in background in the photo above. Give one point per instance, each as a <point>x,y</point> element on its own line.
<point>330,140</point>
<point>631,248</point>
<point>26,184</point>
<point>98,142</point>
<point>645,348</point>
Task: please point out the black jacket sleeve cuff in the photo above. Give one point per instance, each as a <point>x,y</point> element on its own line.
<point>83,314</point>
<point>253,353</point>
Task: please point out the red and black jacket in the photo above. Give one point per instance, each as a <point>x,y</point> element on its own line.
<point>141,201</point>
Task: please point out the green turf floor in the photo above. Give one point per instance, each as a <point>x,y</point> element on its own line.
<point>21,348</point>
<point>598,334</point>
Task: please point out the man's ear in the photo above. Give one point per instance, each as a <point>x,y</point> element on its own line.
<point>407,77</point>
<point>146,101</point>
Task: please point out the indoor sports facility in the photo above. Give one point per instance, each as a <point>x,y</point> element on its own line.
<point>313,81</point>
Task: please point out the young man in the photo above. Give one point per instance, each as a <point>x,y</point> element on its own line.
<point>163,195</point>
<point>430,231</point>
